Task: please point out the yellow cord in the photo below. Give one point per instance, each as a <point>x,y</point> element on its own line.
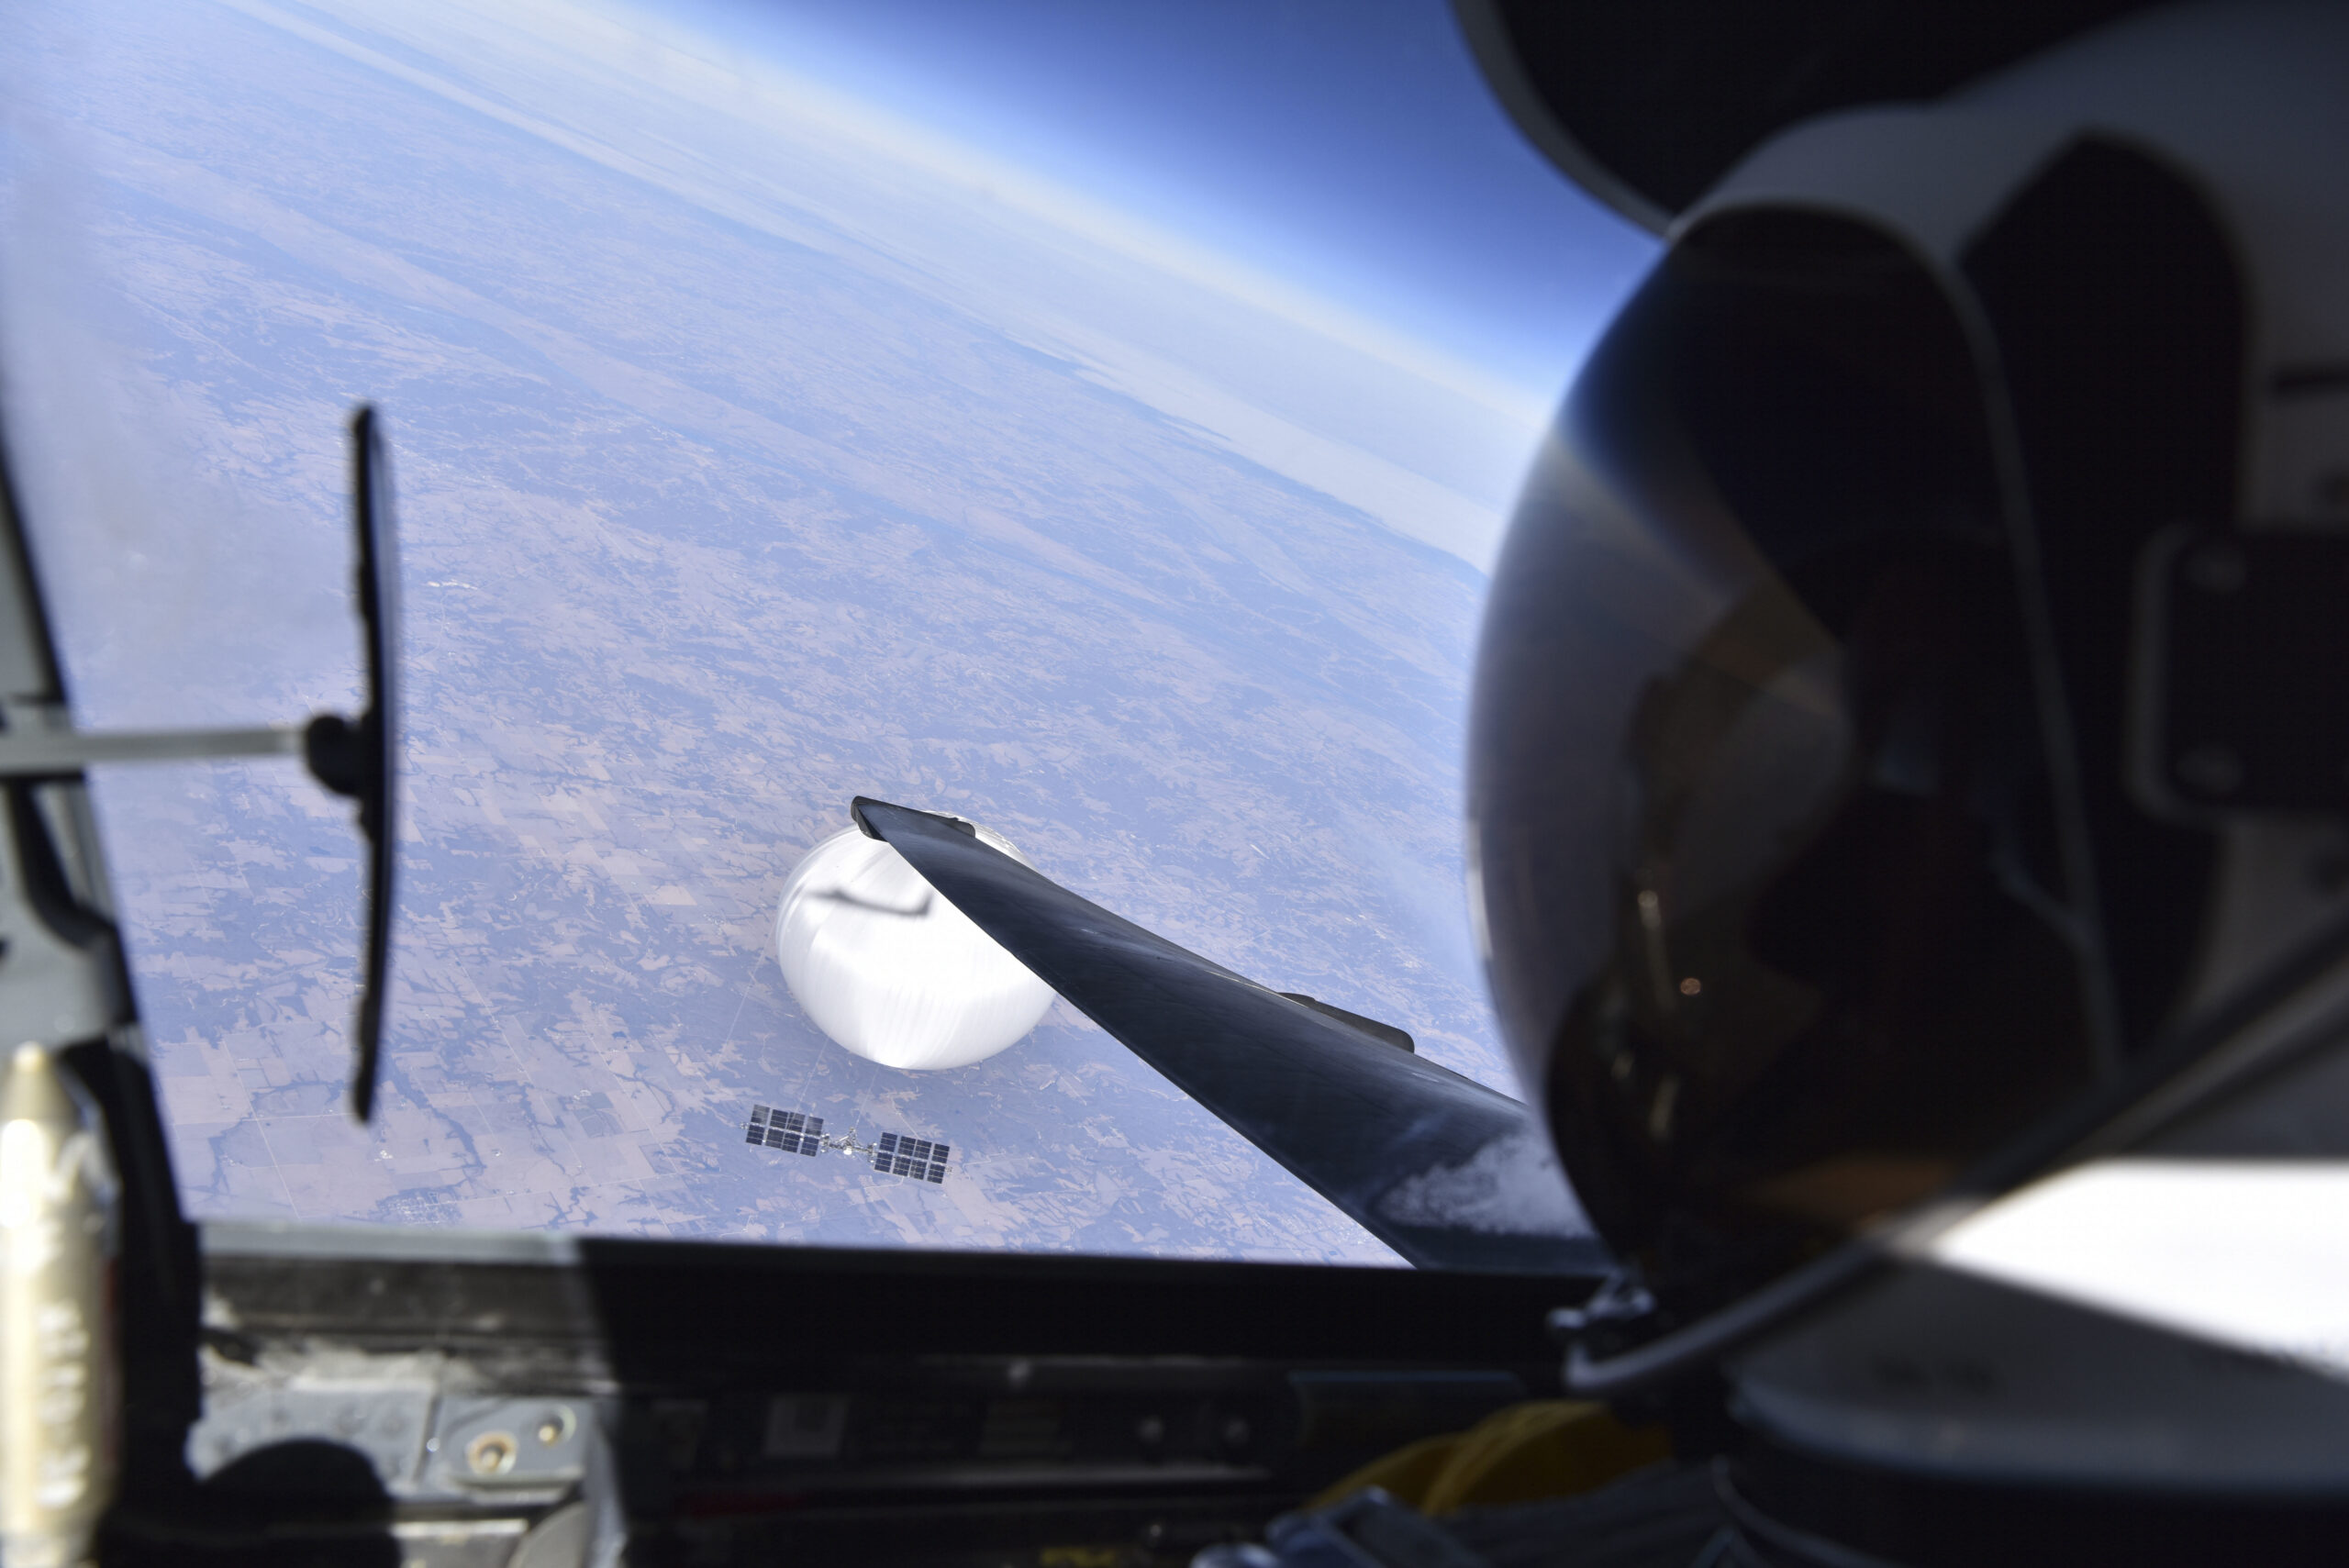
<point>1543,1448</point>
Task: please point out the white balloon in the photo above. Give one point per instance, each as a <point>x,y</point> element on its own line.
<point>892,970</point>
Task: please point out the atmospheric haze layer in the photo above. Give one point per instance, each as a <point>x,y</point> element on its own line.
<point>753,453</point>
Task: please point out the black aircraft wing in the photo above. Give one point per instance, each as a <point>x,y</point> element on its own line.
<point>1447,1172</point>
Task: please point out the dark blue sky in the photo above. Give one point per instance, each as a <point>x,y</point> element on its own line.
<point>1347,145</point>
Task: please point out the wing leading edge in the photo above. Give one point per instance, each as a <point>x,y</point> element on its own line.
<point>1447,1172</point>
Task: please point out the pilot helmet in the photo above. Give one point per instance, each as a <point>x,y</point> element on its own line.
<point>1909,751</point>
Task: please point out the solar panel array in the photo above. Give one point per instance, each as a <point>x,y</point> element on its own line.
<point>793,1132</point>
<point>896,1155</point>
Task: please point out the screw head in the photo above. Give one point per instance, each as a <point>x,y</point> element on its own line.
<point>492,1453</point>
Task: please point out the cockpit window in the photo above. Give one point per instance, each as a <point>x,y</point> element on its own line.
<point>1097,428</point>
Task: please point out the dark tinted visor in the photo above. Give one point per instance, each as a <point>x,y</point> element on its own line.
<point>1761,813</point>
